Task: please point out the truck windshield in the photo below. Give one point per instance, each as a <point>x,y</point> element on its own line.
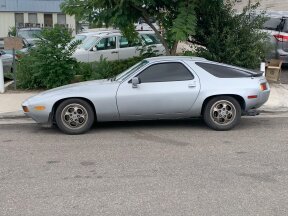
<point>89,42</point>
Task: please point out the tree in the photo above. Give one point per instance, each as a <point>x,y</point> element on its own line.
<point>177,17</point>
<point>228,37</point>
<point>49,64</point>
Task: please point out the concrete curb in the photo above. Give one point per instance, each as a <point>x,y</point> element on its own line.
<point>13,115</point>
<point>6,86</point>
<point>21,115</point>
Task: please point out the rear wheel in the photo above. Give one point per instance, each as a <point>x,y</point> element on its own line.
<point>222,113</point>
<point>74,116</point>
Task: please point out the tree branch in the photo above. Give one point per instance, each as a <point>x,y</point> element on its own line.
<point>146,18</point>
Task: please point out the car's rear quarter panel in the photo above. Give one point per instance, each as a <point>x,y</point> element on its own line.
<point>212,86</point>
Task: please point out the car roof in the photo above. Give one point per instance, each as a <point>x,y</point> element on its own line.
<point>28,29</point>
<point>99,32</point>
<point>117,33</point>
<point>175,58</point>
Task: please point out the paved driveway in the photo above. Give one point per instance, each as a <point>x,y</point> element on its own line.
<point>147,168</point>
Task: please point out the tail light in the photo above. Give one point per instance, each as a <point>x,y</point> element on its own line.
<point>263,86</point>
<point>281,38</point>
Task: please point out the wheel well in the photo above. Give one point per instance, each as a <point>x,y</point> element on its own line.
<point>237,97</point>
<point>61,100</point>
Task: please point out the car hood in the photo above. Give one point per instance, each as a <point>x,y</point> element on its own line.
<point>77,86</point>
<point>76,90</point>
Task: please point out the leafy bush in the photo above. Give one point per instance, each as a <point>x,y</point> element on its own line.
<point>229,37</point>
<point>50,63</point>
<point>12,31</point>
<point>105,69</point>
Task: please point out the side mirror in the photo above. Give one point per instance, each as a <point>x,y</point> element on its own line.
<point>135,82</point>
<point>94,49</point>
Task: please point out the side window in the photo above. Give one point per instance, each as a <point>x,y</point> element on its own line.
<point>272,24</point>
<point>165,72</point>
<point>150,39</point>
<point>106,43</point>
<point>221,71</point>
<point>123,42</point>
<point>285,29</point>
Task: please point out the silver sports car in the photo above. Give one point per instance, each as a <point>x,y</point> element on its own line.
<point>155,88</point>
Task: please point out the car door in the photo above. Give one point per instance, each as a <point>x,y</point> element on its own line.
<point>127,49</point>
<point>106,47</point>
<point>167,89</point>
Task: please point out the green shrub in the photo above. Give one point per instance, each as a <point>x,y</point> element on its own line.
<point>228,37</point>
<point>50,63</point>
<point>105,69</point>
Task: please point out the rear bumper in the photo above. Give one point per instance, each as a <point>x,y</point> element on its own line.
<point>262,98</point>
<point>252,112</point>
<point>282,55</point>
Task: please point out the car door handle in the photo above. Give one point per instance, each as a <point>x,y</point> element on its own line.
<point>114,52</point>
<point>192,85</point>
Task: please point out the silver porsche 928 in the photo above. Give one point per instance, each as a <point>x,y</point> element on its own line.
<point>155,88</point>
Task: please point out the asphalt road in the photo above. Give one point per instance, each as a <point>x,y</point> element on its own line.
<point>146,168</point>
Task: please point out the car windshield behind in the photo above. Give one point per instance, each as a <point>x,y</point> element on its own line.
<point>29,34</point>
<point>130,70</point>
<point>79,38</point>
<point>89,42</point>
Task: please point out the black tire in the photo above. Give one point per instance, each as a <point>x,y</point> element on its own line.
<point>74,116</point>
<point>221,118</point>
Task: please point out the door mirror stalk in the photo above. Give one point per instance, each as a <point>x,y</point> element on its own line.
<point>135,82</point>
<point>94,49</point>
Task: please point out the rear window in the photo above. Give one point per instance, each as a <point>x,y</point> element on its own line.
<point>150,39</point>
<point>272,24</point>
<point>221,71</point>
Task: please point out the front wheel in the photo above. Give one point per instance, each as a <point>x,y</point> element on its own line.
<point>222,113</point>
<point>74,116</point>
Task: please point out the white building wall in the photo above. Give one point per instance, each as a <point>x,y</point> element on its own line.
<point>54,17</point>
<point>7,20</point>
<point>70,21</point>
<point>26,18</point>
<point>40,19</point>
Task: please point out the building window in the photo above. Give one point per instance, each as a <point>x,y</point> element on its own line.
<point>19,20</point>
<point>48,20</point>
<point>61,19</point>
<point>32,18</point>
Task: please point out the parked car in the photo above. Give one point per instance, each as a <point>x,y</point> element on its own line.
<point>277,27</point>
<point>141,25</point>
<point>7,60</point>
<point>19,53</point>
<point>113,46</point>
<point>31,35</point>
<point>156,88</point>
<point>81,37</point>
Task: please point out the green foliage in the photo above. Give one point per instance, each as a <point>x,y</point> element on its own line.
<point>229,37</point>
<point>105,69</point>
<point>177,17</point>
<point>12,31</point>
<point>49,64</point>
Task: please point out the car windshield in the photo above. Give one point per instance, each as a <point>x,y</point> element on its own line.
<point>130,71</point>
<point>89,42</point>
<point>29,34</point>
<point>79,38</point>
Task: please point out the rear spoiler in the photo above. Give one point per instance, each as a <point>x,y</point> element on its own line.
<point>257,74</point>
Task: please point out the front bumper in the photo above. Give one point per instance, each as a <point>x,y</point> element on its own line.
<point>40,116</point>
